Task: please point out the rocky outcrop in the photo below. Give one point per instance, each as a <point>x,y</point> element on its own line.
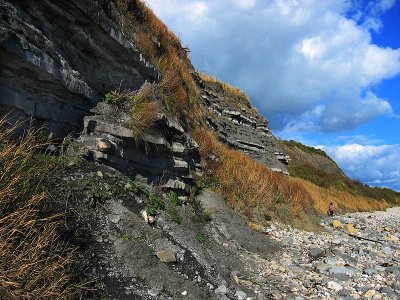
<point>166,155</point>
<point>242,127</point>
<point>57,59</point>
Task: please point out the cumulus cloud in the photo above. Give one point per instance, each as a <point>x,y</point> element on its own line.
<point>377,165</point>
<point>292,57</point>
<point>368,14</point>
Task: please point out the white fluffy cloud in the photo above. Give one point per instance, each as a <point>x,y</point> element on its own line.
<point>375,165</point>
<point>292,56</point>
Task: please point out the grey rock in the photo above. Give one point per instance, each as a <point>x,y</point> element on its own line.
<point>316,252</point>
<point>261,279</point>
<point>388,291</point>
<point>379,268</point>
<point>370,271</point>
<point>334,286</point>
<point>322,267</point>
<point>221,290</point>
<point>109,141</point>
<point>342,270</point>
<point>155,291</point>
<point>275,278</point>
<point>114,218</point>
<point>337,241</point>
<point>364,289</point>
<point>344,293</point>
<point>245,129</point>
<point>396,286</point>
<point>341,277</point>
<point>240,295</point>
<point>387,250</point>
<point>393,269</point>
<point>261,296</point>
<point>330,261</point>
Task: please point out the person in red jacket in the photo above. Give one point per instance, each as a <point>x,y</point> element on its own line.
<point>331,209</point>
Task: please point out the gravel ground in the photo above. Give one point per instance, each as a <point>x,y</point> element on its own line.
<point>359,259</point>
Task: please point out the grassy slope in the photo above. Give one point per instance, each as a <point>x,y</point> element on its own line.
<point>323,178</point>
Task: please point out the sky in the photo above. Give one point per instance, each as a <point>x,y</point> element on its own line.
<point>325,73</point>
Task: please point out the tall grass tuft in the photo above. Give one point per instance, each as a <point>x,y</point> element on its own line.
<point>143,111</point>
<point>34,262</point>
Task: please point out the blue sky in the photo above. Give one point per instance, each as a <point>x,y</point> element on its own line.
<point>325,73</point>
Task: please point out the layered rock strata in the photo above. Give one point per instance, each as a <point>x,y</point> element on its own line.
<point>242,127</point>
<point>167,155</point>
<point>57,59</point>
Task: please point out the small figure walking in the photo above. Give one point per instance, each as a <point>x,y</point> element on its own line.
<point>331,209</point>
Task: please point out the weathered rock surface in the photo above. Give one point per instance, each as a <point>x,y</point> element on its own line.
<point>58,58</point>
<point>242,127</point>
<point>167,155</point>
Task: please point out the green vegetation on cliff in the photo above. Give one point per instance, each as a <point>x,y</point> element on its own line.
<point>317,167</point>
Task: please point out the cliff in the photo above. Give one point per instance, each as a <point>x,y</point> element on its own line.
<point>59,58</point>
<point>231,114</point>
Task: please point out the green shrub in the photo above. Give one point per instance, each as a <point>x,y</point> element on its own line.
<point>200,237</point>
<point>173,199</point>
<point>151,211</point>
<point>111,97</point>
<point>126,237</point>
<point>157,202</point>
<point>173,215</point>
<point>206,216</point>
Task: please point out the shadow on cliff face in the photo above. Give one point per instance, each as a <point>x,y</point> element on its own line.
<point>58,58</point>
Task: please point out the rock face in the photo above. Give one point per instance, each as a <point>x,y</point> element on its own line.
<point>166,155</point>
<point>242,127</point>
<point>57,59</point>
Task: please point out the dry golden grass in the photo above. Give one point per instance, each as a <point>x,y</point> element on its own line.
<point>146,44</point>
<point>344,201</point>
<point>163,48</point>
<point>143,111</point>
<point>256,192</point>
<point>227,88</point>
<point>34,263</point>
<point>169,68</point>
<point>250,187</point>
